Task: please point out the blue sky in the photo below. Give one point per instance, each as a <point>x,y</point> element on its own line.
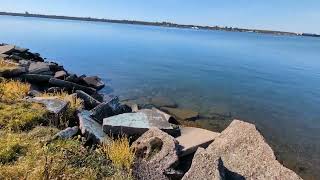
<point>286,15</point>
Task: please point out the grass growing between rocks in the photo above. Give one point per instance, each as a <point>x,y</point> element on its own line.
<point>120,153</point>
<point>75,104</point>
<point>29,155</point>
<point>5,66</point>
<point>13,90</point>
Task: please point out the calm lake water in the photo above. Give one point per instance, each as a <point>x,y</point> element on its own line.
<point>272,81</point>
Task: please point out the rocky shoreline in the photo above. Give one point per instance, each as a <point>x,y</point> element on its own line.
<point>162,142</point>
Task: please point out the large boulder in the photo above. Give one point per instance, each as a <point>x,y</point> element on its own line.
<point>39,68</point>
<point>89,101</point>
<point>71,86</point>
<point>91,129</point>
<point>36,78</point>
<point>138,123</point>
<point>182,114</point>
<point>93,81</point>
<point>14,72</point>
<point>54,105</point>
<point>60,74</point>
<point>245,153</point>
<point>105,109</point>
<point>191,138</point>
<point>206,167</point>
<point>6,49</point>
<point>156,152</point>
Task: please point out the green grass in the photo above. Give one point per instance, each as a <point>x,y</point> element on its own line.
<point>21,116</point>
<point>60,159</point>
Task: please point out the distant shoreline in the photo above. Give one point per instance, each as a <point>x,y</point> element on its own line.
<point>161,24</point>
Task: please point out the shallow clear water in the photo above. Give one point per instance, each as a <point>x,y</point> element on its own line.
<point>273,81</point>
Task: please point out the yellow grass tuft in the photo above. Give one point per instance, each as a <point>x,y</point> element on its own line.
<point>13,90</point>
<point>4,66</point>
<point>120,153</point>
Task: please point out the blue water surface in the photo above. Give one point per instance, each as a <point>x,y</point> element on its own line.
<point>272,81</point>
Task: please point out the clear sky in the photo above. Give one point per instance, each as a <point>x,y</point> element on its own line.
<point>286,15</point>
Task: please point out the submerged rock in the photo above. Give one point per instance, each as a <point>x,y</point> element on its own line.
<point>156,152</point>
<point>163,102</point>
<point>91,129</point>
<point>191,138</point>
<point>138,123</point>
<point>182,114</point>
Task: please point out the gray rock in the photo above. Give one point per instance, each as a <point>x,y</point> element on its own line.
<point>73,78</point>
<point>4,56</point>
<point>133,106</point>
<point>138,123</point>
<point>36,78</point>
<point>91,129</point>
<point>89,102</point>
<point>105,109</point>
<point>20,50</point>
<point>13,72</point>
<point>34,93</point>
<point>244,152</point>
<point>54,89</point>
<point>94,81</point>
<point>181,114</point>
<point>39,68</point>
<point>191,138</point>
<point>163,102</point>
<point>53,104</point>
<point>156,152</point>
<point>71,86</point>
<point>24,63</point>
<point>60,75</point>
<point>66,133</point>
<point>206,167</point>
<point>5,49</point>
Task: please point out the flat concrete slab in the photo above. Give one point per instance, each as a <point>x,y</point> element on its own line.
<point>138,123</point>
<point>191,138</point>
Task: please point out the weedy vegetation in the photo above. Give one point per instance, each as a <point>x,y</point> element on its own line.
<point>13,90</point>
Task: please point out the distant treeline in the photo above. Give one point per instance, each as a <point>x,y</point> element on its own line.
<point>164,24</point>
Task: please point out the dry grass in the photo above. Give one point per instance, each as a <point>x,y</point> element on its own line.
<point>75,104</point>
<point>4,66</point>
<point>120,153</point>
<point>60,159</point>
<point>13,90</point>
<point>21,116</point>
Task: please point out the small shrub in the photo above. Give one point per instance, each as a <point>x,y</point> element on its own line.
<point>120,153</point>
<point>13,90</point>
<point>21,116</point>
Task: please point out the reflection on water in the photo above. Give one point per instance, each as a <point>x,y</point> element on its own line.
<point>272,81</point>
